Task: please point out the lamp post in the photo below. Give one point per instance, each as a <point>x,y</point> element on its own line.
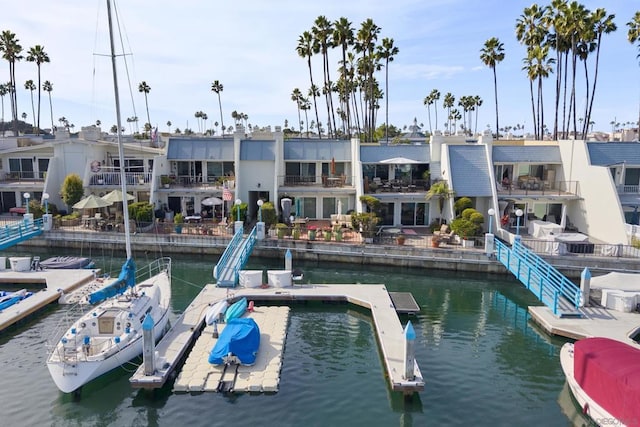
<point>45,198</point>
<point>237,203</point>
<point>519,214</point>
<point>27,196</point>
<point>491,213</point>
<point>260,202</point>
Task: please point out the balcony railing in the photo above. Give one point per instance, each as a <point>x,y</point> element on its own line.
<point>539,188</point>
<point>308,180</point>
<point>24,176</point>
<point>397,186</point>
<point>113,178</point>
<point>628,189</point>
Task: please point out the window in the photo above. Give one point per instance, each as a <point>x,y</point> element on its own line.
<point>414,213</point>
<point>23,168</point>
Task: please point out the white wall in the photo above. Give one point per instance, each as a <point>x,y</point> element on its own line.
<point>598,213</point>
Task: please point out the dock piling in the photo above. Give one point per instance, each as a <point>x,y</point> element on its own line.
<point>409,352</point>
<point>148,346</point>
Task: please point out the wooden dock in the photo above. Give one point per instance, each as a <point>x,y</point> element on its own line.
<point>389,330</point>
<point>52,284</point>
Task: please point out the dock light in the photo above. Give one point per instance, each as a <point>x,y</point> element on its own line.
<point>491,213</point>
<point>519,214</point>
<point>260,202</point>
<point>238,201</point>
<point>45,198</point>
<point>27,196</point>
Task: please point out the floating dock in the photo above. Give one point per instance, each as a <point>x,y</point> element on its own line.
<point>53,283</point>
<point>199,375</point>
<point>389,330</point>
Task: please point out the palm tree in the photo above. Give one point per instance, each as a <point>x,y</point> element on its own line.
<point>435,97</point>
<point>633,35</point>
<point>39,56</point>
<point>428,100</point>
<point>603,24</point>
<point>48,87</point>
<point>365,44</point>
<point>478,104</point>
<point>30,86</point>
<point>296,96</point>
<point>448,102</point>
<point>305,50</point>
<point>11,50</point>
<point>143,87</point>
<point>322,31</point>
<point>491,54</point>
<point>169,125</point>
<point>386,52</point>
<point>440,190</point>
<point>3,91</point>
<point>343,36</point>
<point>217,87</point>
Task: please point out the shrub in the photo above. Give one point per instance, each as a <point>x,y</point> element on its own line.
<point>465,228</point>
<point>141,211</point>
<point>178,218</point>
<point>72,190</point>
<point>268,214</point>
<point>461,204</point>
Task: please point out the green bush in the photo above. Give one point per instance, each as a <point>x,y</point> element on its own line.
<point>465,228</point>
<point>141,211</point>
<point>461,204</point>
<point>72,189</point>
<point>269,216</point>
<point>178,218</point>
<point>243,212</point>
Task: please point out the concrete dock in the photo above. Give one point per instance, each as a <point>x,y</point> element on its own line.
<point>198,375</point>
<point>52,283</point>
<point>389,330</point>
<point>595,322</point>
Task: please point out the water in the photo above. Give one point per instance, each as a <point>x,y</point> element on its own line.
<point>484,363</point>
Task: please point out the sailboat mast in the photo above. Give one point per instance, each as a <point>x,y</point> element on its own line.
<point>123,177</point>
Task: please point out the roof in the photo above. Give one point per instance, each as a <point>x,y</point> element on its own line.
<point>378,153</point>
<point>469,170</point>
<point>200,149</point>
<point>251,149</point>
<point>317,149</point>
<point>526,154</point>
<point>611,153</point>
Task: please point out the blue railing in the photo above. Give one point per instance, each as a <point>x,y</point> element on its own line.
<point>19,231</point>
<point>248,245</point>
<point>228,252</point>
<point>541,278</point>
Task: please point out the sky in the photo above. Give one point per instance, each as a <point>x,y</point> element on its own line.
<point>180,47</point>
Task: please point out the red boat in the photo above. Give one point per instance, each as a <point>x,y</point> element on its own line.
<point>604,377</point>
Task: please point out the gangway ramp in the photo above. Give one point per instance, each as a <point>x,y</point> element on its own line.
<point>19,231</point>
<point>234,258</point>
<point>551,287</point>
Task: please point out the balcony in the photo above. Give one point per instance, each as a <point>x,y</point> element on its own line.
<point>628,189</point>
<point>112,178</point>
<point>536,187</point>
<point>23,176</point>
<point>315,181</point>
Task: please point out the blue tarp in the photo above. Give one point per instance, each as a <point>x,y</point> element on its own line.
<point>241,338</point>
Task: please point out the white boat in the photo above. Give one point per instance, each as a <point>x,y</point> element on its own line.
<point>604,378</point>
<point>110,334</point>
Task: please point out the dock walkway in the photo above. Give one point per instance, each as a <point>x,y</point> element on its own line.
<point>389,330</point>
<point>53,283</point>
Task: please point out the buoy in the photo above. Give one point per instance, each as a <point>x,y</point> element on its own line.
<point>250,307</point>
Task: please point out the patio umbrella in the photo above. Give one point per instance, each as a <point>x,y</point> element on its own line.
<point>92,202</point>
<point>399,161</point>
<point>116,196</point>
<point>211,201</point>
<point>333,166</point>
<point>635,216</point>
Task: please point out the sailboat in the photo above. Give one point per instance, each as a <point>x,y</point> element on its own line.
<point>110,333</point>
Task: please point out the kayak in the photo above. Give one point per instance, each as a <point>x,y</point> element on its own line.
<point>214,312</point>
<point>236,310</point>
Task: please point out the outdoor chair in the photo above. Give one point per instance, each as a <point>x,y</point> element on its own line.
<point>444,234</point>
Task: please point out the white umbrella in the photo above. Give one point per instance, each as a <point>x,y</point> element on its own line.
<point>211,201</point>
<point>399,161</point>
<point>116,196</point>
<point>92,202</point>
<point>339,207</point>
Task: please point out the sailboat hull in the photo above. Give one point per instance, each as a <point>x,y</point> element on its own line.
<point>110,334</point>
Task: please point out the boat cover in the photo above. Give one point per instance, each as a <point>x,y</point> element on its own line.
<point>241,338</point>
<point>70,262</point>
<point>609,372</point>
<point>126,280</point>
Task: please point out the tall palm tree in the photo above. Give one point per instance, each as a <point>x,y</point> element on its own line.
<point>603,24</point>
<point>633,35</point>
<point>11,52</point>
<point>48,87</point>
<point>478,104</point>
<point>31,86</point>
<point>448,102</point>
<point>39,56</point>
<point>217,87</point>
<point>169,125</point>
<point>387,51</point>
<point>492,54</point>
<point>343,36</point>
<point>435,96</point>
<point>143,87</point>
<point>322,33</point>
<point>365,44</point>
<point>296,96</point>
<point>428,101</point>
<point>440,191</point>
<point>305,50</point>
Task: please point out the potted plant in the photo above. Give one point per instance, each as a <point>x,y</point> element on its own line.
<point>311,233</point>
<point>366,222</point>
<point>400,239</point>
<point>435,241</point>
<point>165,181</point>
<point>281,230</point>
<point>327,235</point>
<point>296,232</point>
<point>338,233</point>
<point>178,220</point>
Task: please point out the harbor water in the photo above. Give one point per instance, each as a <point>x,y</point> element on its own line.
<point>484,362</point>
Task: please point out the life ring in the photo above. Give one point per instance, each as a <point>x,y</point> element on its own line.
<point>95,166</point>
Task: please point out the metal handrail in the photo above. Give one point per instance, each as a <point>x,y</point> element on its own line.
<point>226,255</point>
